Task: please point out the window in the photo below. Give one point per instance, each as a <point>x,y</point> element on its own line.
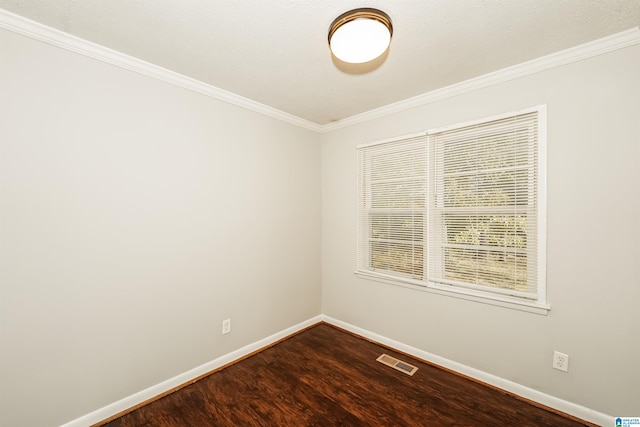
<point>393,198</point>
<point>458,209</point>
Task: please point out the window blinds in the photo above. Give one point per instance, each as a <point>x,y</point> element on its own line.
<point>483,206</point>
<point>392,208</point>
<point>454,208</point>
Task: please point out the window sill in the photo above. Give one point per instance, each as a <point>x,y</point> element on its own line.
<point>466,294</point>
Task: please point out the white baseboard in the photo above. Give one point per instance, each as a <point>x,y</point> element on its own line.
<point>528,393</point>
<point>504,384</point>
<point>153,391</point>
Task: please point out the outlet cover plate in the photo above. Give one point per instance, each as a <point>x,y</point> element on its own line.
<point>226,326</point>
<point>561,361</point>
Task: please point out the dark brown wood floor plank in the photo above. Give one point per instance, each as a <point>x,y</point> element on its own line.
<point>327,377</point>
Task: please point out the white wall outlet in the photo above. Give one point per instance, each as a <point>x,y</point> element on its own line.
<point>226,326</point>
<point>561,361</point>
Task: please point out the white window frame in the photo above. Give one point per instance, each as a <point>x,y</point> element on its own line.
<point>537,305</point>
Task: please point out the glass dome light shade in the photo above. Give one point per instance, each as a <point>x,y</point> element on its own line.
<point>360,35</point>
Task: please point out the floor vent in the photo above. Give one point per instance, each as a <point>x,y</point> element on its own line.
<point>397,364</point>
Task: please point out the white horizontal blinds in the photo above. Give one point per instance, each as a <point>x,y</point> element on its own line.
<point>483,206</point>
<point>391,208</point>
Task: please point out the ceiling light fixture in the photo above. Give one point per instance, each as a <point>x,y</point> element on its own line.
<point>360,35</point>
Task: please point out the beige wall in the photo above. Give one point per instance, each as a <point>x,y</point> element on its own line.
<point>136,216</point>
<point>593,231</point>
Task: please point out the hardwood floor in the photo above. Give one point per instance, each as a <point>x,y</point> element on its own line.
<point>326,377</point>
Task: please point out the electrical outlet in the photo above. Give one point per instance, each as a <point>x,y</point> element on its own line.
<point>561,361</point>
<point>226,326</point>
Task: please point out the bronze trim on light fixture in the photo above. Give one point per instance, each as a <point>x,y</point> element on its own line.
<point>362,13</point>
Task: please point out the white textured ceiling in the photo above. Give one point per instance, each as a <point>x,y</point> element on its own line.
<point>275,51</point>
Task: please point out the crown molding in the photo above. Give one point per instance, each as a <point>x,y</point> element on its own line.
<point>35,30</point>
<point>597,47</point>
<point>18,24</point>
